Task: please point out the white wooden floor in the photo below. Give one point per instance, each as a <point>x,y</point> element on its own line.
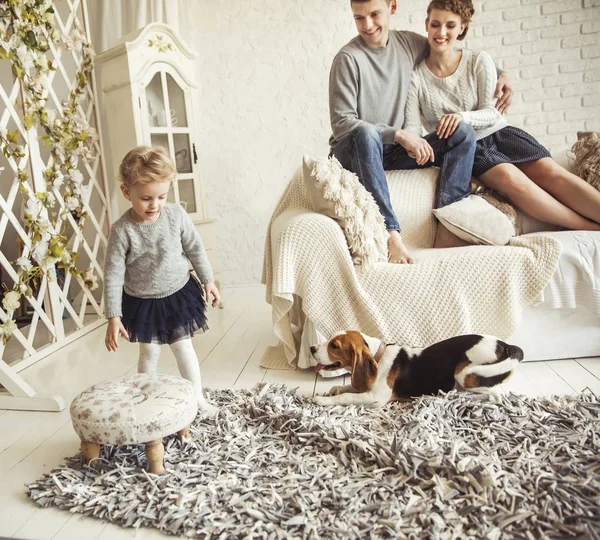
<point>32,443</point>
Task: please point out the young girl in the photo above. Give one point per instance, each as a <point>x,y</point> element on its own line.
<point>452,86</point>
<point>150,295</point>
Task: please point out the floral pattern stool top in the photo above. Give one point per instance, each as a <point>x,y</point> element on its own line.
<point>135,409</point>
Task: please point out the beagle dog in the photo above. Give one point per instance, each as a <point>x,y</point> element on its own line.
<point>382,373</point>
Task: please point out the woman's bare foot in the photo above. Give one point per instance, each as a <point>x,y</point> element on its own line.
<point>445,239</point>
<point>397,252</point>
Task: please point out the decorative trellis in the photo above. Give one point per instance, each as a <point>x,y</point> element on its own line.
<point>60,308</point>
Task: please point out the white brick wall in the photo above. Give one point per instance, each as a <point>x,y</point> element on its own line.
<point>263,71</point>
<point>551,50</point>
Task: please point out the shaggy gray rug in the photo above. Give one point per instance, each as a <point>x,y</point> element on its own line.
<point>273,465</point>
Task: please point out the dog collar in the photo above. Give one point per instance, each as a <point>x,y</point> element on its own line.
<point>380,351</point>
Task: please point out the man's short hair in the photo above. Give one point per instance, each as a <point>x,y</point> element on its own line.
<point>388,2</point>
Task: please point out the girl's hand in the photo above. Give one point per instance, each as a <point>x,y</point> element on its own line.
<point>211,288</point>
<point>115,327</point>
<point>447,125</point>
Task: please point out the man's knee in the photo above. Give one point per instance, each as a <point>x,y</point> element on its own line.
<point>363,143</point>
<point>463,134</point>
<point>366,136</point>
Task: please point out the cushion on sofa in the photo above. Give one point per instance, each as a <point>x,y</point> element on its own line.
<point>337,193</point>
<point>476,221</point>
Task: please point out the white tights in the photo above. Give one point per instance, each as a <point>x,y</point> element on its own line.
<point>187,362</point>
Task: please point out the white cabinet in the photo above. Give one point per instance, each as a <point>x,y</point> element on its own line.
<point>150,97</point>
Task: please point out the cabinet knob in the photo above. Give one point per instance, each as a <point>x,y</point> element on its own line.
<point>194,152</point>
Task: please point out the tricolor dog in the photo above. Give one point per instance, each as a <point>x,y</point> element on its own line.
<point>381,373</point>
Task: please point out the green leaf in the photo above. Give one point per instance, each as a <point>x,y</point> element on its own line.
<point>30,40</point>
<point>17,71</point>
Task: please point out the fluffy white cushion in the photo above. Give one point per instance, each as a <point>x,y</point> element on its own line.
<point>337,193</point>
<point>136,409</point>
<point>476,221</point>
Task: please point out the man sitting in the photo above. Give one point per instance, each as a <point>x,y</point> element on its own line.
<point>368,88</point>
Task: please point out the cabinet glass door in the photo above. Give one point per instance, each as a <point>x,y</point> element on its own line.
<point>156,103</point>
<point>169,125</point>
<point>178,111</point>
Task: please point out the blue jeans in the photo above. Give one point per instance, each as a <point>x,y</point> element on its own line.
<point>362,151</point>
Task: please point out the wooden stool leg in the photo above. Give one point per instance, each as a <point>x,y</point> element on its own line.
<point>90,450</point>
<point>185,432</point>
<point>155,452</point>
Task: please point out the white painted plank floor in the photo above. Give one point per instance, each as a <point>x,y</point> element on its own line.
<point>32,443</point>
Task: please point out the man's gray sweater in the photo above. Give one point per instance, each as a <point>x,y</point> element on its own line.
<point>370,85</point>
<point>151,260</point>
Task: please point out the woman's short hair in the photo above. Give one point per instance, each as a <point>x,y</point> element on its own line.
<point>463,8</point>
<point>146,164</point>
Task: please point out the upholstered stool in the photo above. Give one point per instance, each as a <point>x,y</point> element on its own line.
<point>132,410</point>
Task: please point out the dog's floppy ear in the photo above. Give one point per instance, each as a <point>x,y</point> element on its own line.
<point>364,368</point>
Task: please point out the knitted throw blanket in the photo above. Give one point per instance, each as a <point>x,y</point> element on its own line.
<point>474,289</point>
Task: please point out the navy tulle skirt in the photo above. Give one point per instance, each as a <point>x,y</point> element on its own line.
<point>168,319</point>
<point>507,145</point>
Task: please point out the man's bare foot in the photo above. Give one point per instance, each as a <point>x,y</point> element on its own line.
<point>397,252</point>
<point>445,239</point>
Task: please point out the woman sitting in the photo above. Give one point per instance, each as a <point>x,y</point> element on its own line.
<point>452,86</point>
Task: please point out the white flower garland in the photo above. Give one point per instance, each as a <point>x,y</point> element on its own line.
<point>27,27</point>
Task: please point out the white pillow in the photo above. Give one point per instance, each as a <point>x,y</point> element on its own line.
<point>476,221</point>
<point>338,193</point>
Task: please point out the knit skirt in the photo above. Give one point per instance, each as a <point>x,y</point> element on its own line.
<point>507,145</point>
<point>166,320</point>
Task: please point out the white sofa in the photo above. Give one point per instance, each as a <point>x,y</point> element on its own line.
<point>562,321</point>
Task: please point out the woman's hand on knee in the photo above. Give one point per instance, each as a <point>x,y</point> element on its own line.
<point>447,125</point>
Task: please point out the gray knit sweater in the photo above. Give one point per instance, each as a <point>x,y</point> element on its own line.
<point>151,261</point>
<point>370,85</point>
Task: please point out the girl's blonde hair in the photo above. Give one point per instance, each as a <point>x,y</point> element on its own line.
<point>463,8</point>
<point>146,164</point>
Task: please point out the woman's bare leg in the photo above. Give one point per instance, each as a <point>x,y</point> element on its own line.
<point>531,199</point>
<point>564,186</point>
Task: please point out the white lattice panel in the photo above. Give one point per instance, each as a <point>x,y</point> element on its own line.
<point>61,309</point>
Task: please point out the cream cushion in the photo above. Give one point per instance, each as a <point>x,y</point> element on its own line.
<point>135,409</point>
<point>338,193</point>
<point>476,221</point>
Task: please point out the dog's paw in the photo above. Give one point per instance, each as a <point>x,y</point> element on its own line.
<point>495,396</point>
<point>336,390</point>
<point>320,400</point>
